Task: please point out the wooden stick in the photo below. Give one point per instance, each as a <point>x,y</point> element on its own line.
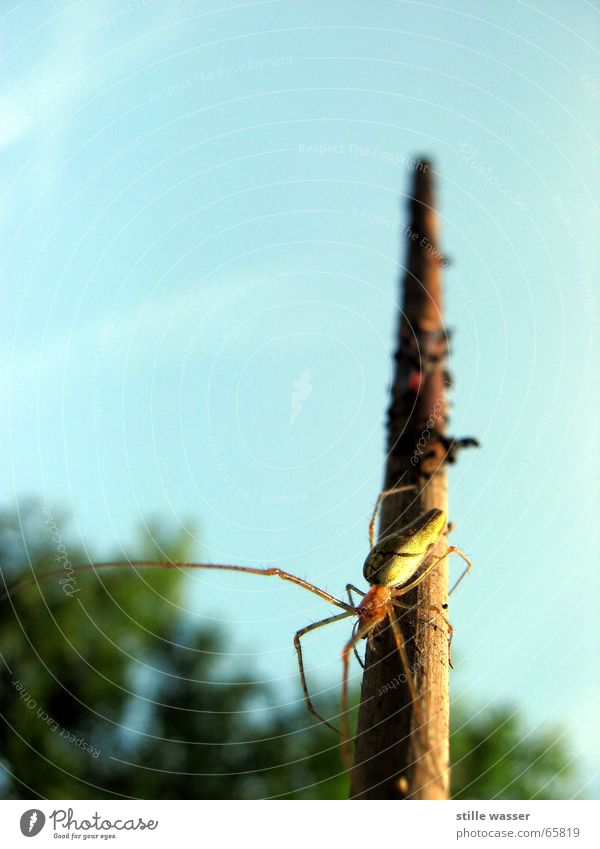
<point>394,757</point>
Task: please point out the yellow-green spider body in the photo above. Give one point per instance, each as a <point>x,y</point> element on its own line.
<point>397,556</point>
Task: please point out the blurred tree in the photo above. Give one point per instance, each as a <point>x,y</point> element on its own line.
<point>495,756</point>
<point>108,690</point>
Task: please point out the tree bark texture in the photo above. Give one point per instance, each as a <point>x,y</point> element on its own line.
<point>402,749</point>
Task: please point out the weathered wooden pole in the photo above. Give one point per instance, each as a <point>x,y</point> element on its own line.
<point>402,751</point>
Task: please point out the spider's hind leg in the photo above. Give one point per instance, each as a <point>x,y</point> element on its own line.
<point>298,635</point>
<point>440,612</point>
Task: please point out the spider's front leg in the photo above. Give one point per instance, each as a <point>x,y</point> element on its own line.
<point>380,499</point>
<point>350,588</point>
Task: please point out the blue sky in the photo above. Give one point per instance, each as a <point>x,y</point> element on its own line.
<point>201,219</point>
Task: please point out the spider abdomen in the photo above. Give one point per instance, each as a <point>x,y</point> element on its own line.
<point>397,556</point>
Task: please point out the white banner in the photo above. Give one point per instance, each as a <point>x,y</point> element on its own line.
<point>287,824</point>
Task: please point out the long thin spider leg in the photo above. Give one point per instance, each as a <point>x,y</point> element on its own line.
<point>298,647</point>
<point>420,740</point>
<point>351,588</point>
<point>433,607</point>
<point>403,590</point>
<point>450,628</point>
<point>440,613</point>
<point>407,587</point>
<point>400,645</point>
<point>285,576</point>
<point>452,549</point>
<point>378,503</point>
<point>357,634</point>
<point>356,654</point>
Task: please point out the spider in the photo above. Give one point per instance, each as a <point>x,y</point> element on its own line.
<point>388,569</point>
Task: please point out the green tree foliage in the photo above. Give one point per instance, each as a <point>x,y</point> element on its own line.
<point>108,691</point>
<point>495,756</point>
